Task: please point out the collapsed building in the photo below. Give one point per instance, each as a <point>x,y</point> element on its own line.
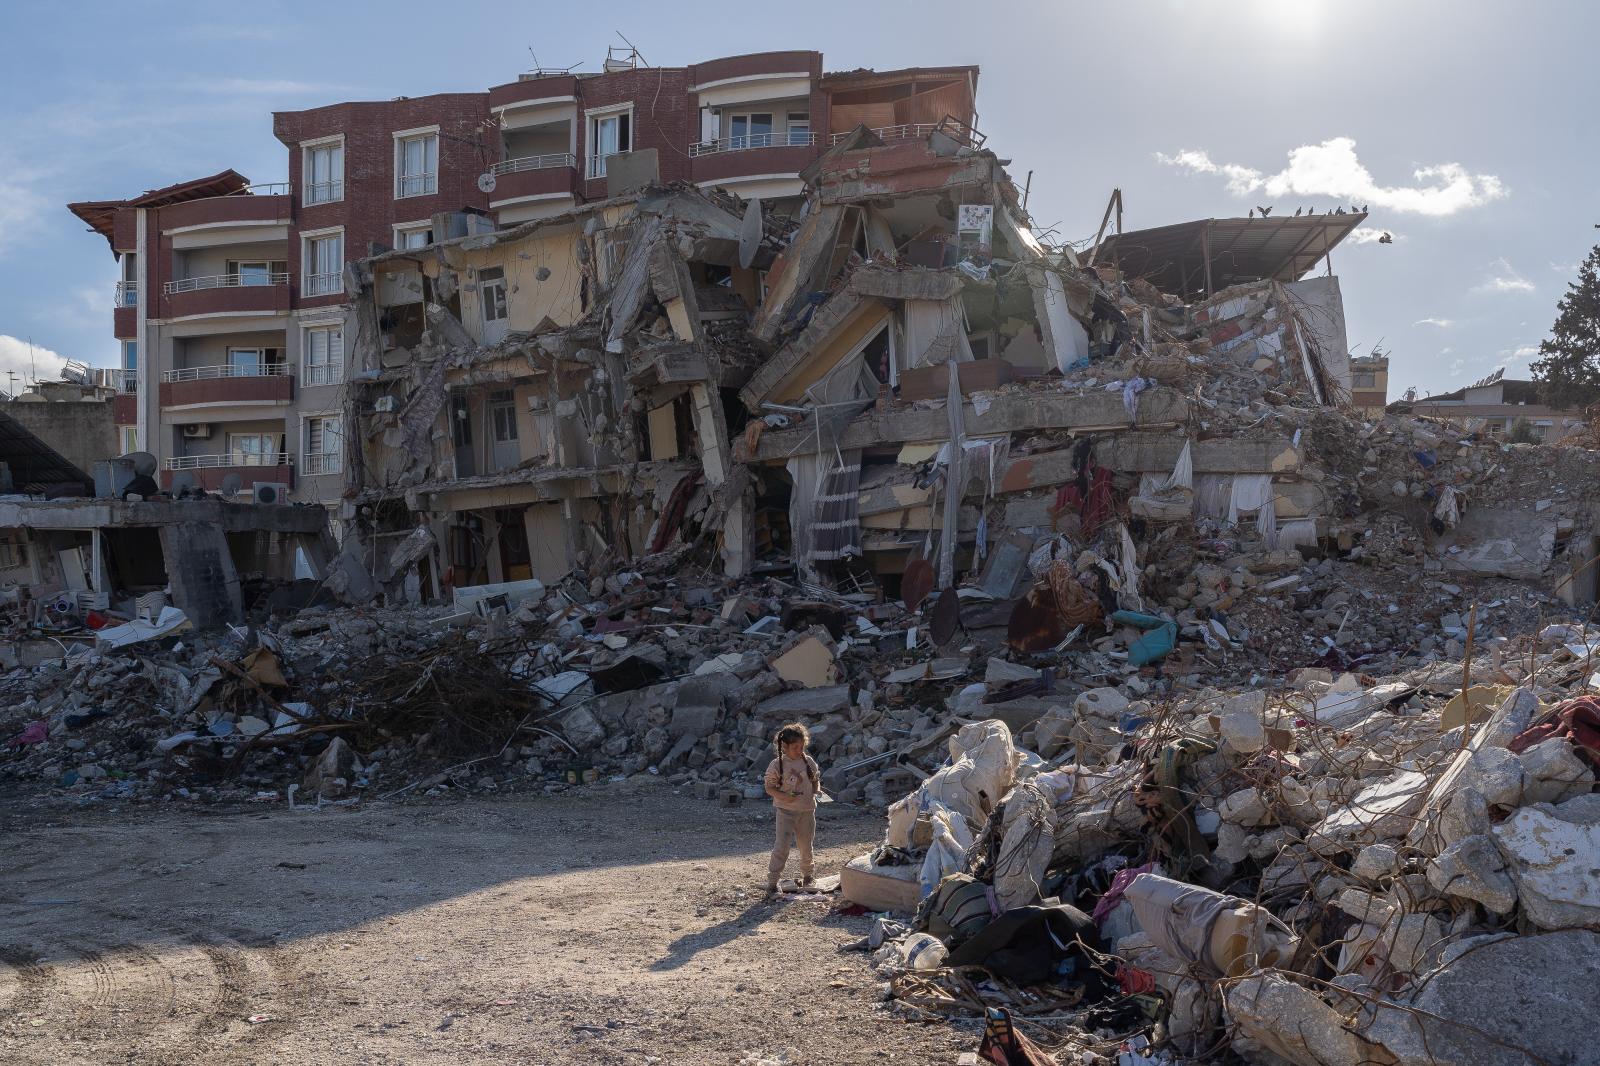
<point>786,384</point>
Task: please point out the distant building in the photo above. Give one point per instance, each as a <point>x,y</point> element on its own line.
<point>1369,384</point>
<point>73,416</point>
<point>1496,405</point>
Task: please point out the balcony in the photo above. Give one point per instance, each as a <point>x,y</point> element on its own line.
<point>736,79</point>
<point>416,185</point>
<point>534,90</point>
<point>752,154</point>
<point>210,471</point>
<point>260,205</point>
<point>535,175</point>
<point>911,131</point>
<point>125,404</point>
<point>253,293</point>
<point>223,385</point>
<point>125,311</point>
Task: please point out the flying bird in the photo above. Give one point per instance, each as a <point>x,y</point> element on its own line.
<point>1265,211</point>
<point>1386,239</point>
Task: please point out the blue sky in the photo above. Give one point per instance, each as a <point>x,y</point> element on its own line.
<point>1469,127</point>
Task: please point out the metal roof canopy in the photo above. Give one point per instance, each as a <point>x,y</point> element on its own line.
<point>1192,259</point>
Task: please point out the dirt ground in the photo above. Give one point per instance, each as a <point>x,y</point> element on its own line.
<point>616,924</point>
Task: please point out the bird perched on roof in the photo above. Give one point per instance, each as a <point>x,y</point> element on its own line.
<point>1338,210</point>
<point>1297,211</point>
<point>1386,239</point>
<point>1265,211</point>
<point>1252,213</point>
<point>1363,209</point>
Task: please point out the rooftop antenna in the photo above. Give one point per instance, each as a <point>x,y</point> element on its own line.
<point>11,394</point>
<point>32,363</point>
<point>632,59</point>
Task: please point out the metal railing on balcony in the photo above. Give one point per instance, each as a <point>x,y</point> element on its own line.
<point>213,373</point>
<point>745,141</point>
<point>321,463</point>
<point>127,293</point>
<point>323,284</point>
<point>548,161</point>
<point>889,134</point>
<point>225,281</point>
<point>208,462</point>
<point>272,188</point>
<point>416,184</point>
<point>119,379</point>
<point>324,192</point>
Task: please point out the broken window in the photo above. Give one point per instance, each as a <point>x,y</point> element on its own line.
<point>12,554</point>
<point>419,236</point>
<point>1364,379</point>
<point>492,292</point>
<point>608,135</point>
<point>416,165</point>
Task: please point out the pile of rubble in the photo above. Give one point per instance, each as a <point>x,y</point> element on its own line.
<point>1350,869</point>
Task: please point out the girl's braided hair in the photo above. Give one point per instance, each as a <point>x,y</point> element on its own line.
<point>788,735</point>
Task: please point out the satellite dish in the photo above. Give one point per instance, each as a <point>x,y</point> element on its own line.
<point>143,463</point>
<point>231,484</point>
<point>486,182</point>
<point>182,481</point>
<point>750,234</point>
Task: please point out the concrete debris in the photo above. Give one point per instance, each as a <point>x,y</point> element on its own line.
<point>1101,593</point>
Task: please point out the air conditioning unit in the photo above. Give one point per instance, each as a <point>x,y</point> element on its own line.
<point>196,430</point>
<point>271,492</point>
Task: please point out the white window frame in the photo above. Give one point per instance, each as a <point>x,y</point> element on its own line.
<point>595,167</point>
<point>485,303</point>
<point>130,439</point>
<point>503,415</point>
<point>430,182</point>
<point>401,230</point>
<point>308,240</point>
<point>264,437</point>
<point>329,372</point>
<point>793,119</point>
<point>747,138</point>
<point>308,196</point>
<point>311,461</point>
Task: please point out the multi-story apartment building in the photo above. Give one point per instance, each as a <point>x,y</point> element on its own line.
<point>233,311</point>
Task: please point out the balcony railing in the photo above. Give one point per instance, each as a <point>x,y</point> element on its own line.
<point>324,192</point>
<point>323,284</point>
<point>274,188</point>
<point>212,373</point>
<point>322,374</point>
<point>417,184</point>
<point>321,463</point>
<point>535,162</point>
<point>208,462</point>
<point>889,134</point>
<point>119,379</point>
<point>127,293</point>
<point>746,141</point>
<point>224,281</point>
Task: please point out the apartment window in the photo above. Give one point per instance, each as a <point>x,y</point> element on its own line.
<point>492,293</point>
<point>253,449</point>
<point>799,131</point>
<point>128,287</point>
<point>323,355</point>
<point>130,439</point>
<point>415,235</point>
<point>503,416</point>
<point>323,172</point>
<point>130,355</point>
<point>609,135</point>
<point>254,362</point>
<point>324,445</point>
<point>322,264</point>
<point>750,130</point>
<point>416,164</point>
<point>252,272</point>
<point>1364,379</point>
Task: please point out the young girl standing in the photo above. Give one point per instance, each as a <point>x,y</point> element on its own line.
<point>793,781</point>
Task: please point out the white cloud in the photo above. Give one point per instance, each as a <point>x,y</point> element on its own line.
<point>39,364</point>
<point>1442,323</point>
<point>1503,277</point>
<point>1331,169</point>
<point>1521,354</point>
<point>1369,235</point>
